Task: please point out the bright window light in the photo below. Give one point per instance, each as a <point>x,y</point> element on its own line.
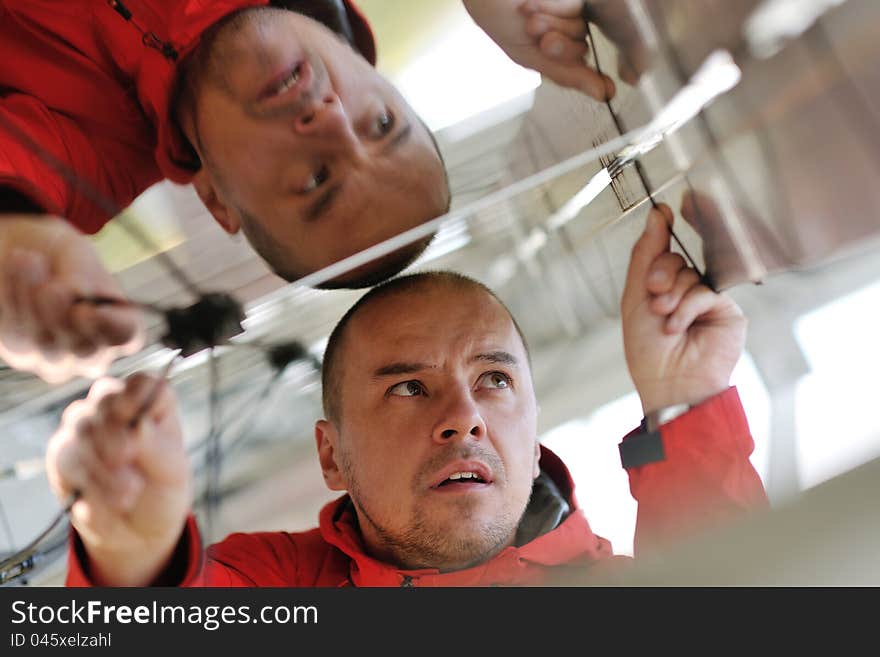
<point>838,427</point>
<point>588,446</point>
<point>463,75</point>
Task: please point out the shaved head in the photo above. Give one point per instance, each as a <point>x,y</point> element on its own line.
<point>412,284</point>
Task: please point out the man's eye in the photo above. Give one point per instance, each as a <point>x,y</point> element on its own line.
<point>496,380</point>
<point>318,178</point>
<point>407,389</point>
<point>384,124</point>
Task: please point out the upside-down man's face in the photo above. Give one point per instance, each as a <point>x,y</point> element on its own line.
<point>302,136</point>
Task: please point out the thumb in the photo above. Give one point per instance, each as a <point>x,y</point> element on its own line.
<point>653,243</point>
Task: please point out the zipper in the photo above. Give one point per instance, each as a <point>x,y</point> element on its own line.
<point>149,39</point>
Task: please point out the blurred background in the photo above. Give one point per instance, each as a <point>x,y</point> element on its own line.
<point>785,166</point>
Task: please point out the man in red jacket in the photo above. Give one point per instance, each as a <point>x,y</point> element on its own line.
<point>286,131</point>
<point>431,429</point>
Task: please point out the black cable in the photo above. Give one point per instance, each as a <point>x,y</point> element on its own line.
<point>643,177</point>
<point>252,404</point>
<point>730,176</point>
<point>21,569</point>
<point>21,558</point>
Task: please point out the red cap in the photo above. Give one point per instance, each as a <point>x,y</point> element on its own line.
<point>363,34</point>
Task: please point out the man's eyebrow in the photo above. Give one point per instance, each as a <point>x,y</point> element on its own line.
<point>497,357</point>
<point>324,203</point>
<point>393,369</point>
<point>397,141</point>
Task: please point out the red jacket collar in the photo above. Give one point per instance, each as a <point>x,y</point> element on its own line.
<point>571,543</point>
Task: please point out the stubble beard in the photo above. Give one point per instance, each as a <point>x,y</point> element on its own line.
<point>429,543</point>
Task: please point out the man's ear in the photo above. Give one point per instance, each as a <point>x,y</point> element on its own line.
<point>326,439</point>
<point>207,191</point>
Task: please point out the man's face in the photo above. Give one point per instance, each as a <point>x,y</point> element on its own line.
<point>434,384</point>
<point>300,133</point>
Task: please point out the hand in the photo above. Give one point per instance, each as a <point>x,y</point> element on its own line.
<point>549,37</point>
<point>45,264</point>
<point>132,476</point>
<point>681,340</point>
<point>545,35</point>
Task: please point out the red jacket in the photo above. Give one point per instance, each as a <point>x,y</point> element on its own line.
<point>705,479</point>
<point>78,79</point>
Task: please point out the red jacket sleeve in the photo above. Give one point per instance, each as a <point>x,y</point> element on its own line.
<point>705,478</point>
<point>30,133</point>
<point>185,569</point>
<point>240,560</point>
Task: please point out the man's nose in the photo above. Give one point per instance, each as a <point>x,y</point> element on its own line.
<point>325,117</point>
<point>460,419</point>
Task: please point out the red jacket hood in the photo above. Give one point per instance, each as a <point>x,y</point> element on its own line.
<point>572,544</point>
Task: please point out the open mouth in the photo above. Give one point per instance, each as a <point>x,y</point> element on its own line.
<point>287,86</point>
<point>462,478</point>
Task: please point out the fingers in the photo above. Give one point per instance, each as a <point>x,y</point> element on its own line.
<point>560,8</point>
<point>25,273</point>
<point>116,326</point>
<point>43,329</point>
<point>698,301</point>
<point>666,303</point>
<point>97,450</point>
<point>653,243</point>
<point>563,49</point>
<point>538,24</point>
<point>51,303</point>
<point>124,404</point>
<point>578,76</point>
<point>108,454</point>
<point>559,31</point>
<point>81,457</point>
<point>663,272</point>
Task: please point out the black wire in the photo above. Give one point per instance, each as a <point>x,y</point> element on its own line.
<point>260,400</point>
<point>643,177</point>
<point>718,156</point>
<point>21,557</point>
<point>252,404</point>
<point>28,551</point>
<point>25,566</point>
